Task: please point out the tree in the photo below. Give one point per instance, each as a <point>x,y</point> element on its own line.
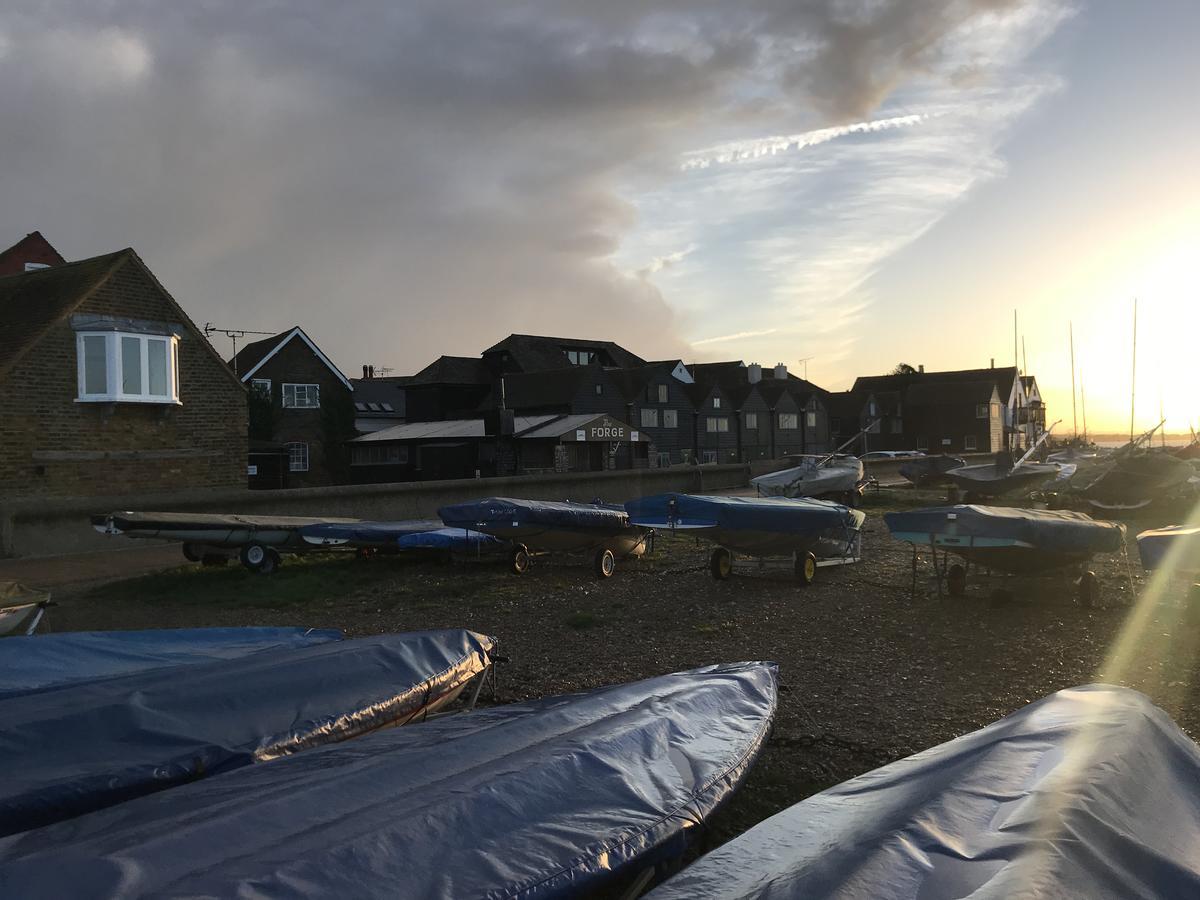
<point>903,369</point>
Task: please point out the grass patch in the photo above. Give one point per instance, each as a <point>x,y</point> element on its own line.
<point>584,620</point>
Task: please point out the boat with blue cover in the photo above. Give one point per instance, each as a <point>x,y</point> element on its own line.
<point>46,660</point>
<point>71,748</point>
<point>1007,539</point>
<point>548,526</point>
<point>365,534</point>
<point>810,533</point>
<point>1091,792</point>
<point>1176,546</point>
<point>562,797</point>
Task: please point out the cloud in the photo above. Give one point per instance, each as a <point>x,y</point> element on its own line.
<point>733,337</point>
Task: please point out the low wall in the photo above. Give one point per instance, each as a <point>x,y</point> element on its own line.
<point>55,527</point>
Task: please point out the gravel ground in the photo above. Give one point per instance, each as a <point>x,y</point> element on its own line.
<point>869,672</point>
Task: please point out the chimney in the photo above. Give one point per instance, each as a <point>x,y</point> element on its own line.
<point>992,365</point>
<point>780,371</point>
<point>920,368</point>
<point>365,372</point>
<point>754,373</point>
<point>370,371</point>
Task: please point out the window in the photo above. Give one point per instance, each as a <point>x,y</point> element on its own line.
<point>262,386</point>
<point>297,457</point>
<point>716,402</point>
<point>717,424</point>
<point>301,396</point>
<point>810,419</point>
<point>33,267</point>
<point>969,442</point>
<point>580,357</point>
<point>752,420</point>
<point>649,418</point>
<point>670,418</point>
<point>127,368</point>
<point>710,456</point>
<point>945,442</point>
<point>379,454</point>
<point>664,459</point>
<point>662,393</point>
<point>599,389</point>
<point>981,410</point>
<point>788,421</point>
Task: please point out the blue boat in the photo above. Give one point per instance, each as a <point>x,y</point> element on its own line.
<point>1092,792</point>
<point>809,532</point>
<point>366,535</point>
<point>1177,546</point>
<point>46,660</point>
<point>450,540</point>
<point>560,797</point>
<point>546,526</point>
<point>73,748</point>
<point>1006,539</point>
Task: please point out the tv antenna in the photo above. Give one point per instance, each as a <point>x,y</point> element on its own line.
<point>804,362</point>
<point>233,334</point>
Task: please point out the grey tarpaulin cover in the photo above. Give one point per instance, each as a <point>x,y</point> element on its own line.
<point>551,798</point>
<point>1092,792</point>
<point>1063,532</point>
<point>39,661</point>
<point>77,747</point>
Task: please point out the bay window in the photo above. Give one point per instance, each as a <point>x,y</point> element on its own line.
<point>119,367</point>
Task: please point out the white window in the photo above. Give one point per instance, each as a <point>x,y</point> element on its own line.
<point>33,267</point>
<point>662,393</point>
<point>981,410</point>
<point>710,456</point>
<point>752,420</point>
<point>115,367</point>
<point>788,421</point>
<point>261,386</point>
<point>670,418</point>
<point>664,459</point>
<point>580,357</point>
<point>716,402</point>
<point>599,389</point>
<point>717,424</point>
<point>969,442</point>
<point>301,396</point>
<point>649,418</point>
<point>946,442</point>
<point>297,457</point>
<point>810,419</point>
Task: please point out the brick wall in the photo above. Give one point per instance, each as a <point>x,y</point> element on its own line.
<point>297,364</point>
<point>52,446</point>
<point>33,248</point>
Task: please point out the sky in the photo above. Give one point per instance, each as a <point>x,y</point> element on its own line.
<point>852,183</point>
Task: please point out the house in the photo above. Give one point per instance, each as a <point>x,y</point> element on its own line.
<point>379,403</point>
<point>108,388</point>
<point>30,253</point>
<point>540,353</point>
<point>658,405</point>
<point>301,401</point>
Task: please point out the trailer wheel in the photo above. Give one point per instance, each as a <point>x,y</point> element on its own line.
<point>1089,590</point>
<point>191,554</point>
<point>519,559</point>
<point>956,581</point>
<point>806,568</point>
<point>720,564</point>
<point>259,559</point>
<point>604,563</point>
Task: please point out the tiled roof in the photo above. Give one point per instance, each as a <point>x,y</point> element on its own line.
<point>535,353</point>
<point>1002,377</point>
<point>253,355</point>
<point>452,370</point>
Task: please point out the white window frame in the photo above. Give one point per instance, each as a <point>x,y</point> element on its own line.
<point>717,424</point>
<point>670,418</point>
<point>113,349</point>
<point>315,388</point>
<point>292,446</point>
<point>810,419</point>
<point>752,421</point>
<point>789,421</point>
<point>662,393</point>
<point>710,456</point>
<point>649,418</point>
<point>716,402</point>
<point>262,385</point>
<point>969,442</point>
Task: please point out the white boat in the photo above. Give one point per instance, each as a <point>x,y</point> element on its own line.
<point>836,477</point>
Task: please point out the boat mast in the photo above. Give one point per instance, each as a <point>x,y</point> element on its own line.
<point>1083,405</point>
<point>1133,374</point>
<point>1074,421</point>
<point>1019,385</point>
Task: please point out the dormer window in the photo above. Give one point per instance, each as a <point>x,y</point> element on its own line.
<point>580,357</point>
<point>120,367</point>
<point>716,402</point>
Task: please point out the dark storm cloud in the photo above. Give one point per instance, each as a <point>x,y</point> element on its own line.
<point>411,179</point>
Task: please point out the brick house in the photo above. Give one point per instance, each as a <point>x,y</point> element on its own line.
<point>299,399</point>
<point>108,388</point>
<point>30,253</point>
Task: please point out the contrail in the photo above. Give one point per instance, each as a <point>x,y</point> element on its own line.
<point>744,151</point>
<point>733,337</point>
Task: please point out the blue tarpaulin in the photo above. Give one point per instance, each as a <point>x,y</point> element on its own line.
<point>1177,546</point>
<point>39,661</point>
<point>552,798</point>
<point>1048,530</point>
<point>364,534</point>
<point>1092,792</point>
<point>459,540</point>
<point>801,515</point>
<point>77,747</point>
<point>507,512</point>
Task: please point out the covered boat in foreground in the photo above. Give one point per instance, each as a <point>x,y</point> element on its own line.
<point>547,526</point>
<point>1176,547</point>
<point>1017,541</point>
<point>559,797</point>
<point>45,660</point>
<point>73,748</point>
<point>835,477</point>
<point>810,533</point>
<point>1091,792</point>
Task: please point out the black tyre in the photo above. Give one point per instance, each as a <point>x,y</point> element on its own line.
<point>720,563</point>
<point>956,581</point>
<point>254,557</point>
<point>604,563</point>
<point>271,564</point>
<point>806,568</point>
<point>519,560</point>
<point>191,553</point>
<point>1089,590</point>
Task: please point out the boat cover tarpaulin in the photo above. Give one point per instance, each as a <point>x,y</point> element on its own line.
<point>78,747</point>
<point>164,523</point>
<point>1177,546</point>
<point>1049,530</point>
<point>929,469</point>
<point>551,798</point>
<point>769,514</point>
<point>39,661</point>
<point>459,540</point>
<point>506,512</point>
<point>1092,792</point>
<point>365,534</point>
